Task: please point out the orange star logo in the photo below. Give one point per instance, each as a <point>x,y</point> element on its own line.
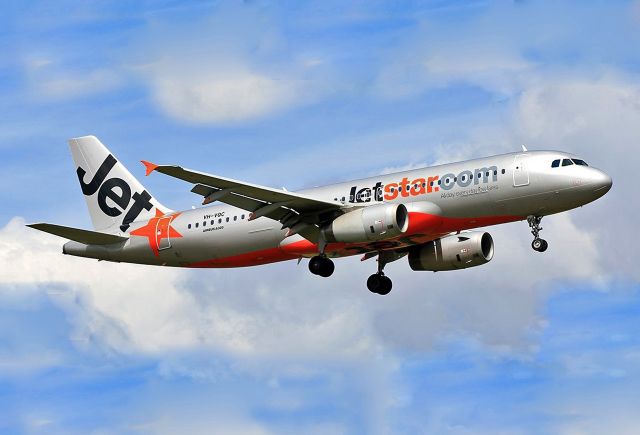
<point>158,228</point>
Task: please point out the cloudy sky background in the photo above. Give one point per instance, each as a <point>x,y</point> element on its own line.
<point>297,95</point>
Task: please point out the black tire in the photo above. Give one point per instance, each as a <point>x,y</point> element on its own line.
<point>379,284</point>
<point>537,244</point>
<point>374,283</point>
<point>386,286</point>
<point>544,246</point>
<point>326,267</point>
<point>315,265</point>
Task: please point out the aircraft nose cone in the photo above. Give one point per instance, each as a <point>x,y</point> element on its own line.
<point>601,182</point>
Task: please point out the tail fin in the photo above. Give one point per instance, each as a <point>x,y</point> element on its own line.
<point>115,198</point>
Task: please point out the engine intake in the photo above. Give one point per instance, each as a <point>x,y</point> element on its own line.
<point>376,222</point>
<point>459,251</point>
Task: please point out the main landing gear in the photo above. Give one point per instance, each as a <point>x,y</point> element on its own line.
<point>378,282</point>
<point>538,244</point>
<point>321,265</point>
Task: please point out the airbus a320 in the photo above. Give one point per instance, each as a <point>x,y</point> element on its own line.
<point>424,214</point>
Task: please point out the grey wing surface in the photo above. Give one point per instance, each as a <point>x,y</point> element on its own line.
<point>298,212</point>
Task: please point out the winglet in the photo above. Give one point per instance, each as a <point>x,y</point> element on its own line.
<point>150,167</point>
<point>524,148</point>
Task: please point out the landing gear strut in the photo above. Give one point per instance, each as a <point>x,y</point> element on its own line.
<point>538,244</point>
<point>378,282</point>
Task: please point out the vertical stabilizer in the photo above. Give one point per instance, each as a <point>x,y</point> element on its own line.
<point>115,198</point>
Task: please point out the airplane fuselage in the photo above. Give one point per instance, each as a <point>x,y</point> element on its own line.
<point>440,200</point>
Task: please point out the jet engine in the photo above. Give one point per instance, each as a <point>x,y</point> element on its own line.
<point>376,222</point>
<point>458,251</point>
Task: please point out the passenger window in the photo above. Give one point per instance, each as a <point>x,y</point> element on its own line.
<point>567,162</point>
<point>555,163</point>
<point>189,226</point>
<point>227,219</point>
<point>220,220</point>
<point>235,218</point>
<point>242,217</point>
<point>204,224</point>
<point>503,171</point>
<point>580,162</point>
<point>196,224</point>
<point>213,221</point>
<point>495,172</point>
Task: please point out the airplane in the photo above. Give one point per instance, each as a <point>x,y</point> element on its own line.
<point>425,214</point>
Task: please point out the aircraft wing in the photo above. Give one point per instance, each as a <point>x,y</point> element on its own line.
<point>294,210</point>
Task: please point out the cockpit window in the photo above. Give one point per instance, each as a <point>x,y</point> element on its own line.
<point>579,162</point>
<point>566,162</point>
<point>555,163</point>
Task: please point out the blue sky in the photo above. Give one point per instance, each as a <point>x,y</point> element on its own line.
<point>298,94</point>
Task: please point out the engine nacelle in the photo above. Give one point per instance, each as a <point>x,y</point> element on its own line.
<point>459,251</point>
<point>376,222</point>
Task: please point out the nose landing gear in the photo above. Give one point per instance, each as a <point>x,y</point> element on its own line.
<point>538,244</point>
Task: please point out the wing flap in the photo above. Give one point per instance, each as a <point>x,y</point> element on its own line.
<point>79,235</point>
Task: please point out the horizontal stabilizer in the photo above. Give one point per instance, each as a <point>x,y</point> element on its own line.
<point>77,235</point>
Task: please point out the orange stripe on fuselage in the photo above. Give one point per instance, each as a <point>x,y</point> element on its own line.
<point>423,227</point>
<point>424,223</point>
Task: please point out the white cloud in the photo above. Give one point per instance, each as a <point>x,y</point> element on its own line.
<point>600,114</point>
<point>599,119</point>
<point>132,308</point>
<point>228,66</point>
<point>72,85</point>
<point>438,65</point>
<point>213,96</point>
<point>52,80</point>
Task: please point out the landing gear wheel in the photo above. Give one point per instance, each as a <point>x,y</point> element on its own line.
<point>322,266</point>
<point>314,265</point>
<point>539,245</point>
<point>380,284</point>
<point>327,268</point>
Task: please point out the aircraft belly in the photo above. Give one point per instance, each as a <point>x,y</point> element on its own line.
<point>233,239</point>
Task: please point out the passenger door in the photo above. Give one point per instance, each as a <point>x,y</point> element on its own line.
<point>163,232</point>
<point>520,171</point>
